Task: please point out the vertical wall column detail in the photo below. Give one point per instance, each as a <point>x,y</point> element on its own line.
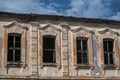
<point>95,56</point>
<point>34,49</point>
<point>65,50</point>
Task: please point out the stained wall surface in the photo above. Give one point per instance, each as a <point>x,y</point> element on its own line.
<point>66,32</point>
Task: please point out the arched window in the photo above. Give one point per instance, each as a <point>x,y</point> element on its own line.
<point>108,45</point>
<point>82,51</point>
<point>49,55</point>
<point>14,47</point>
<point>82,47</point>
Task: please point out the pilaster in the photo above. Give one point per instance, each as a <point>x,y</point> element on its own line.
<point>34,49</point>
<point>65,50</point>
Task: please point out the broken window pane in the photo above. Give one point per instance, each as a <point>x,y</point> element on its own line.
<point>84,42</point>
<point>85,58</point>
<point>110,46</point>
<point>84,55</point>
<point>108,51</point>
<point>79,58</point>
<point>105,61</point>
<point>106,58</point>
<point>111,58</point>
<point>14,47</point>
<point>10,38</point>
<point>17,38</point>
<point>17,55</point>
<point>17,44</point>
<point>79,47</point>
<point>82,51</point>
<point>49,49</point>
<point>84,47</point>
<point>10,55</point>
<point>105,45</point>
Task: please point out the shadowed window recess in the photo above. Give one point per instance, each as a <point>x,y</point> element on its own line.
<point>49,55</point>
<point>14,48</point>
<point>108,51</point>
<point>82,53</point>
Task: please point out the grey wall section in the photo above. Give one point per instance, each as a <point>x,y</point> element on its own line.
<point>96,69</point>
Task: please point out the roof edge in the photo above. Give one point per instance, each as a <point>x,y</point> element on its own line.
<point>24,17</point>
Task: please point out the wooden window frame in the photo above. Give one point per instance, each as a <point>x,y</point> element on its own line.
<point>115,50</point>
<point>15,28</point>
<point>50,30</point>
<point>108,52</point>
<point>109,34</point>
<point>82,32</point>
<point>14,48</point>
<point>81,51</point>
<point>49,50</point>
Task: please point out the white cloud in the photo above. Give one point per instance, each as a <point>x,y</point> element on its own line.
<point>93,9</point>
<point>116,17</point>
<point>88,8</point>
<point>26,6</point>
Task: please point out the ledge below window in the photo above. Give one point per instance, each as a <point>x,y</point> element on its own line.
<point>50,65</point>
<point>15,64</point>
<point>78,66</point>
<point>110,66</point>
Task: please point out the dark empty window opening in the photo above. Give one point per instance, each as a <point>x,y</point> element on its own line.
<point>82,56</point>
<point>49,49</point>
<point>14,47</point>
<point>108,51</point>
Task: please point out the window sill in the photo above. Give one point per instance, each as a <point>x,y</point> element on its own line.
<point>15,64</point>
<point>110,66</point>
<point>84,66</point>
<point>50,65</point>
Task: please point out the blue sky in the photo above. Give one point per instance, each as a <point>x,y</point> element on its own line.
<point>104,9</point>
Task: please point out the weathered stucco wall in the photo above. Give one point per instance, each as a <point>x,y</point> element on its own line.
<point>65,66</point>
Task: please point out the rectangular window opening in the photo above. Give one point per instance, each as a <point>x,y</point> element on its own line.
<point>14,48</point>
<point>49,49</point>
<point>108,51</point>
<point>82,56</point>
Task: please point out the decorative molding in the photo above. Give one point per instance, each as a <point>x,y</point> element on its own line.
<point>109,30</point>
<point>50,29</point>
<point>77,32</point>
<point>65,25</point>
<point>15,27</point>
<point>50,25</point>
<point>15,24</point>
<point>81,28</point>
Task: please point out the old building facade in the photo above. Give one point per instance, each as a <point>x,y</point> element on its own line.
<point>56,47</point>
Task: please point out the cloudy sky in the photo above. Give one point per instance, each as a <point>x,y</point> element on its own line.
<point>104,9</point>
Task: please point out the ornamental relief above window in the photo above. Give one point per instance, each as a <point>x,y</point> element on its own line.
<point>15,44</point>
<point>82,47</point>
<point>50,35</point>
<point>108,43</point>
